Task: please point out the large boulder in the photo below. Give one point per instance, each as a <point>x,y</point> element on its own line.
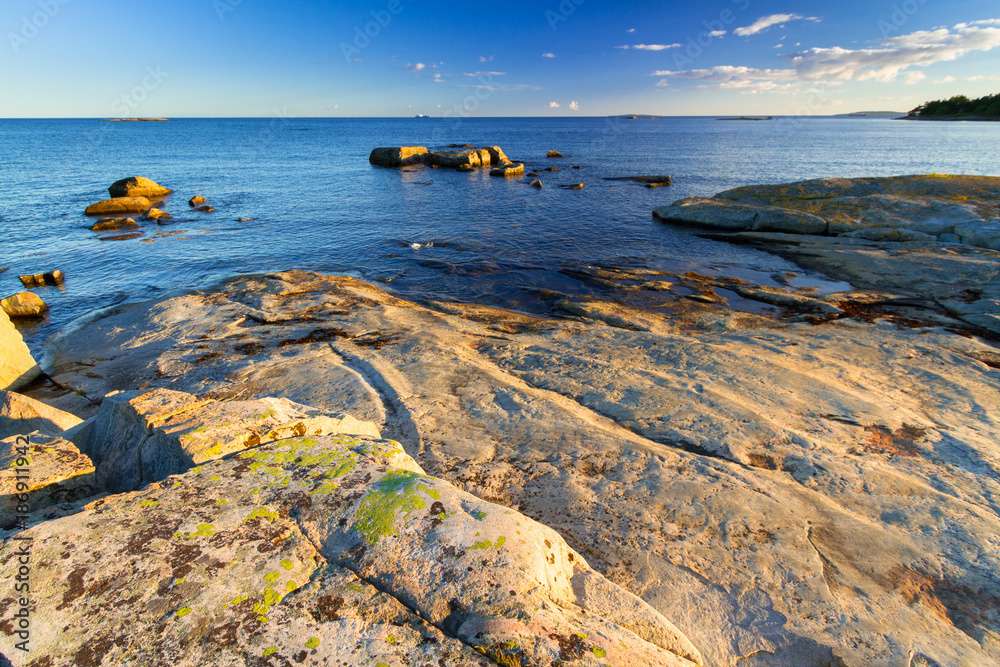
<point>397,156</point>
<point>24,304</point>
<point>38,471</point>
<point>142,437</point>
<point>119,205</point>
<point>497,156</point>
<point>331,550</point>
<point>472,157</point>
<point>20,415</point>
<point>137,186</point>
<point>17,367</point>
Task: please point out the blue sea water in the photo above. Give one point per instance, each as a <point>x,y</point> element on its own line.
<point>317,204</point>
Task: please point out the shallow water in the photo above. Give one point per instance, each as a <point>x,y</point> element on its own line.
<point>317,204</point>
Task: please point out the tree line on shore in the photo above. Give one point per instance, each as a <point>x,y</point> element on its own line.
<point>960,105</point>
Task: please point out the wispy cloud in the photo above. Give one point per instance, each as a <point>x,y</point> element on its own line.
<point>947,79</point>
<point>548,55</point>
<point>983,78</point>
<point>415,68</point>
<point>484,59</point>
<point>474,74</point>
<point>502,87</point>
<point>914,77</point>
<point>630,30</point>
<point>727,77</point>
<point>649,47</point>
<point>765,22</point>
<point>718,33</point>
<point>574,105</point>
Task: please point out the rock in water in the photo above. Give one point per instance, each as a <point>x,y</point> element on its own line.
<point>508,170</point>
<point>119,205</point>
<point>157,214</point>
<point>21,415</point>
<point>109,224</point>
<point>51,278</point>
<point>455,159</point>
<point>398,156</point>
<point>497,156</point>
<point>553,154</point>
<point>56,472</point>
<point>197,200</point>
<point>25,304</point>
<point>17,367</point>
<point>137,186</point>
<point>536,184</point>
<point>271,555</point>
<point>205,209</point>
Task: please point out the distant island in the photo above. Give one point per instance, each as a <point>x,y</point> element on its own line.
<point>749,118</point>
<point>958,107</point>
<point>871,114</point>
<point>137,120</point>
<point>638,116</point>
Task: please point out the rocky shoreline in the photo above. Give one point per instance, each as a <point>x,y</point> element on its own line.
<point>812,480</point>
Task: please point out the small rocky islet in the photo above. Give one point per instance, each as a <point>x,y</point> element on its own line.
<point>650,474</point>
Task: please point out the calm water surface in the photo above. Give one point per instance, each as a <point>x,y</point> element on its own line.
<point>317,204</point>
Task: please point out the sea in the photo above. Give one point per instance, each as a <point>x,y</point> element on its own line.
<point>299,193</point>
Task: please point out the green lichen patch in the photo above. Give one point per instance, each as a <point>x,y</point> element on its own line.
<point>395,492</point>
<point>287,564</point>
<point>312,643</point>
<point>149,503</point>
<point>262,513</point>
<point>204,530</point>
<point>268,652</point>
<point>181,613</point>
<point>272,578</point>
<point>485,544</point>
<point>599,652</point>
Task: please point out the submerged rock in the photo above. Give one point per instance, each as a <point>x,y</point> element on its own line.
<point>119,205</point>
<point>109,224</point>
<point>24,304</point>
<point>137,186</point>
<point>536,184</point>
<point>649,181</point>
<point>17,367</point>
<point>553,154</point>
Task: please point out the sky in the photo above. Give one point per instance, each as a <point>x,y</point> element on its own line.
<point>298,58</point>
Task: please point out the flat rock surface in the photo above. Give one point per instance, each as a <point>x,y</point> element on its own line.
<point>20,415</point>
<point>326,550</point>
<point>894,209</point>
<point>789,486</point>
<point>51,469</point>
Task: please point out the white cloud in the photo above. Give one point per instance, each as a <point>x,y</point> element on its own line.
<point>973,23</point>
<point>574,105</point>
<point>718,33</point>
<point>650,47</point>
<point>914,77</point>
<point>548,55</point>
<point>437,78</point>
<point>947,79</point>
<point>415,68</point>
<point>765,22</point>
<point>745,79</point>
<point>983,78</point>
<point>630,30</point>
<point>484,73</point>
<point>484,59</point>
<point>778,46</point>
<point>917,49</point>
<point>554,105</point>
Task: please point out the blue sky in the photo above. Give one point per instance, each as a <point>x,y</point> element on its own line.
<point>112,58</point>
